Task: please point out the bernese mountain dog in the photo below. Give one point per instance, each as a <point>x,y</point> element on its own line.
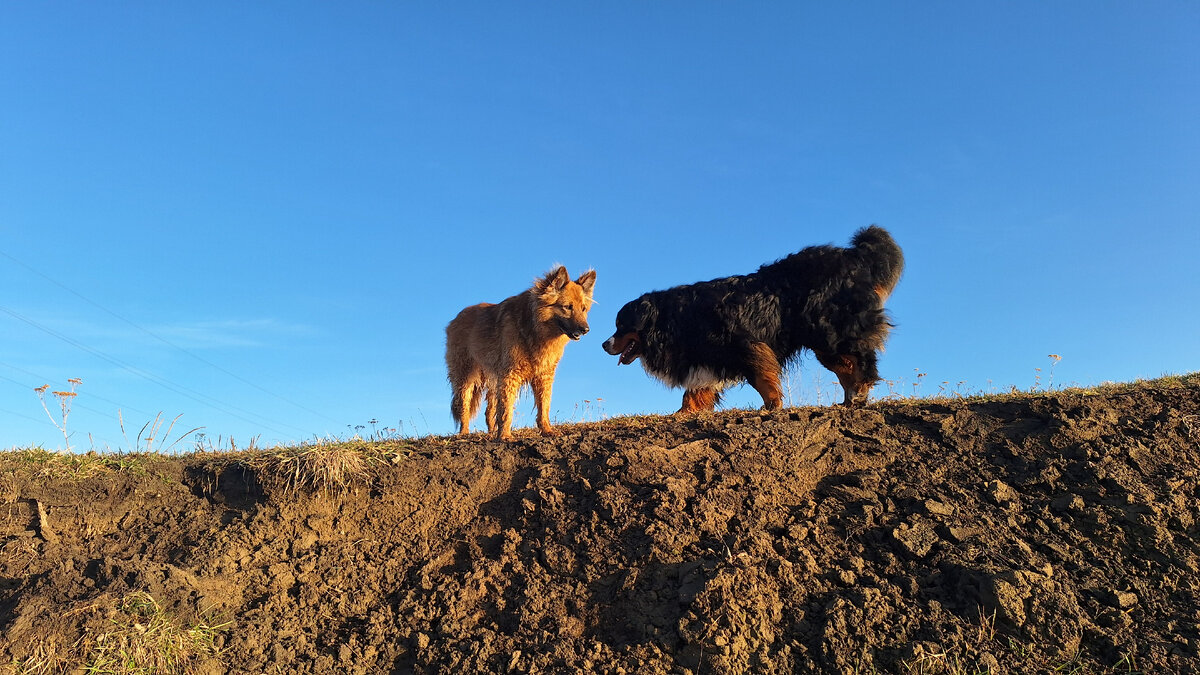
<point>707,336</point>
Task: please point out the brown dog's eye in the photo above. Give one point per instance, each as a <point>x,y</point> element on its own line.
<point>569,308</point>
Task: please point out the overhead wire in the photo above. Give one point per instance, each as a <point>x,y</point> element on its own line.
<point>74,404</point>
<point>42,379</point>
<point>167,342</point>
<point>179,389</point>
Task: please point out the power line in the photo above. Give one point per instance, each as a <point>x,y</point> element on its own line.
<point>75,404</point>
<point>151,377</point>
<point>168,342</point>
<point>47,379</point>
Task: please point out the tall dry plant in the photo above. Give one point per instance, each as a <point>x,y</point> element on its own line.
<point>64,403</point>
<point>154,426</point>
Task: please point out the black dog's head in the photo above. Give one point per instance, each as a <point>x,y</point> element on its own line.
<point>628,341</point>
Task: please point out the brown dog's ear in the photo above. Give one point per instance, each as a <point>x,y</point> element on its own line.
<point>588,281</point>
<point>556,279</point>
<point>561,278</point>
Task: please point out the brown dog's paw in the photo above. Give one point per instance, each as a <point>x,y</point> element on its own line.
<point>551,432</point>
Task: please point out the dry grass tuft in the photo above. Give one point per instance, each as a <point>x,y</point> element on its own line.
<point>143,639</point>
<point>46,657</point>
<point>326,468</point>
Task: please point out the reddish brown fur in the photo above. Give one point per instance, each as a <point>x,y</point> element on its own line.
<point>847,370</point>
<point>493,350</point>
<point>699,400</point>
<point>765,380</point>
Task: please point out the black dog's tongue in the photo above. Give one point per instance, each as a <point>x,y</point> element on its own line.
<point>626,357</point>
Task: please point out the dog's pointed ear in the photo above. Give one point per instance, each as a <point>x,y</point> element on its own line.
<point>556,279</point>
<point>588,281</point>
<point>559,278</point>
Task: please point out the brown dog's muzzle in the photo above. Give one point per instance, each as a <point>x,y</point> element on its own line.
<point>573,330</point>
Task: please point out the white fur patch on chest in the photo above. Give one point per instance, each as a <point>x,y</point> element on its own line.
<point>697,378</point>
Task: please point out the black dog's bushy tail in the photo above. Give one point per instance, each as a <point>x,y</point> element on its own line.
<point>882,255</point>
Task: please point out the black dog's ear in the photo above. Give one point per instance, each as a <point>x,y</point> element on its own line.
<point>636,314</point>
<point>647,312</point>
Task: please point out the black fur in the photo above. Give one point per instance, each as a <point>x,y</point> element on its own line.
<point>708,335</point>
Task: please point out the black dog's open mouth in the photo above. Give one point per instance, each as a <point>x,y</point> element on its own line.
<point>626,347</point>
<point>630,353</point>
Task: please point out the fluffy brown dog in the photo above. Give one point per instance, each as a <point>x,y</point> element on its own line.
<point>499,348</point>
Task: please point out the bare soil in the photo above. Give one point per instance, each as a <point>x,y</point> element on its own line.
<point>1016,534</point>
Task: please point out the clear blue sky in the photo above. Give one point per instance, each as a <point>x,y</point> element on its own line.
<point>262,215</point>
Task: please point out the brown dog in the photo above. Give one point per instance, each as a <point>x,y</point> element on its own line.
<point>499,348</point>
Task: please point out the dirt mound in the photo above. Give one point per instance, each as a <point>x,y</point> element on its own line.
<point>1016,534</point>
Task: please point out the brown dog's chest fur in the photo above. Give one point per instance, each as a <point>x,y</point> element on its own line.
<point>522,346</point>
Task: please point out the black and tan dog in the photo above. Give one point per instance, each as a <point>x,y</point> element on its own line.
<point>707,336</point>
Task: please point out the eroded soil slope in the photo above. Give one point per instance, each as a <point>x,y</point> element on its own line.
<point>1016,535</point>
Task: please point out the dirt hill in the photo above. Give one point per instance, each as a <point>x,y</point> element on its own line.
<point>1023,533</point>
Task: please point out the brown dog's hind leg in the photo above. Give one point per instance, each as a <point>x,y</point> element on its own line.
<point>467,396</point>
<point>506,400</point>
<point>764,375</point>
<point>700,400</point>
<point>489,414</point>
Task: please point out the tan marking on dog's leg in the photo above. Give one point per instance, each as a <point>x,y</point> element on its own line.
<point>461,408</point>
<point>472,399</point>
<point>765,371</point>
<point>699,400</point>
<point>458,411</point>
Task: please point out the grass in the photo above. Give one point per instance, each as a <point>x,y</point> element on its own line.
<point>325,468</point>
<point>321,467</point>
<point>42,463</point>
<point>958,393</point>
<point>336,466</point>
<point>141,639</point>
<point>145,639</point>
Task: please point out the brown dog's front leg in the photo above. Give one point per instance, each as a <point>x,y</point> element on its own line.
<point>542,386</point>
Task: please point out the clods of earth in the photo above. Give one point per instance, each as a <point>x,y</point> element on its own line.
<point>1009,534</point>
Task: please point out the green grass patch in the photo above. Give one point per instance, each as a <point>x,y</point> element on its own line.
<point>42,463</point>
<point>141,639</point>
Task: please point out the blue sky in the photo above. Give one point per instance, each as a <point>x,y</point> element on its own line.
<point>261,216</point>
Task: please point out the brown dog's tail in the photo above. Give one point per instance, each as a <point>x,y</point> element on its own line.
<point>883,257</point>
